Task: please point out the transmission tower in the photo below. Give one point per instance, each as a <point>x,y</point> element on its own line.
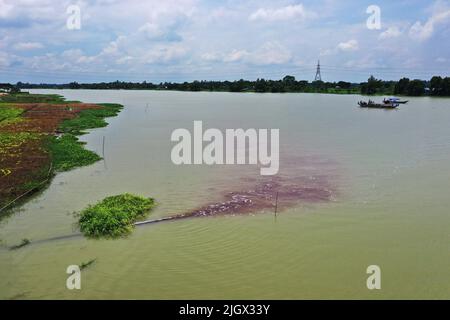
<point>318,77</point>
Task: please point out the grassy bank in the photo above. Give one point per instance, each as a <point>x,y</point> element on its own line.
<point>30,150</point>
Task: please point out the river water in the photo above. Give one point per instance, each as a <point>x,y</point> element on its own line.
<point>387,174</point>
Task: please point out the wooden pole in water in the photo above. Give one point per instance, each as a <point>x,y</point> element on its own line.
<point>103,148</point>
<point>276,204</point>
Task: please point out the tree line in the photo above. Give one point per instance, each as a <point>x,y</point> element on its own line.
<point>436,86</point>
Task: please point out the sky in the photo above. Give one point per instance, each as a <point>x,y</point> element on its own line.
<point>53,41</point>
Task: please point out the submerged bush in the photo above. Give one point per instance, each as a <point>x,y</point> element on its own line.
<point>114,216</point>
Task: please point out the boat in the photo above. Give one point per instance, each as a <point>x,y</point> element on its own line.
<point>371,104</point>
<point>395,100</point>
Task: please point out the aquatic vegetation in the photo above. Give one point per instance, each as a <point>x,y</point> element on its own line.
<point>90,118</point>
<point>9,140</point>
<point>24,243</point>
<point>84,265</point>
<point>67,153</point>
<point>8,112</point>
<point>25,97</point>
<point>29,150</point>
<point>114,216</point>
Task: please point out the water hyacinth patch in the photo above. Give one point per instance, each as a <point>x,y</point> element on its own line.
<point>114,216</point>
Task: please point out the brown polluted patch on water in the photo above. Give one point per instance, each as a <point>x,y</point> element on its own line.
<point>266,194</point>
<point>304,180</point>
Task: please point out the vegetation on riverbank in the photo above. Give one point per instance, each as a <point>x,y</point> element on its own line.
<point>68,153</point>
<point>31,150</point>
<point>90,118</point>
<point>114,216</point>
<point>436,86</point>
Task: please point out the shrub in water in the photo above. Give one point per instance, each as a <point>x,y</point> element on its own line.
<point>114,216</point>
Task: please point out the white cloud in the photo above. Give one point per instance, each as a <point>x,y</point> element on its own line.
<point>424,31</point>
<point>163,53</point>
<point>211,57</point>
<point>281,14</point>
<point>28,45</point>
<point>5,9</point>
<point>77,56</point>
<point>124,60</point>
<point>114,46</point>
<point>236,55</point>
<point>391,32</point>
<point>182,38</point>
<point>153,30</point>
<point>271,53</point>
<point>4,59</point>
<point>351,45</point>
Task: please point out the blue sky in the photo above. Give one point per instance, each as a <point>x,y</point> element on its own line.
<point>222,40</point>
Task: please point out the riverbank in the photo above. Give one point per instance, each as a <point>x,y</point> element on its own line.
<point>436,86</point>
<point>38,138</point>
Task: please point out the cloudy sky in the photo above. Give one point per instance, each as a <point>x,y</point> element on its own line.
<point>178,40</point>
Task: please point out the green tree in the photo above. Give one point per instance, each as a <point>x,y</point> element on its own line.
<point>401,87</point>
<point>261,85</point>
<point>416,88</point>
<point>436,86</point>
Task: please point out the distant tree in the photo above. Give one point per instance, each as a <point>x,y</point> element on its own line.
<point>261,85</point>
<point>289,80</point>
<point>436,86</point>
<point>318,85</point>
<point>196,86</point>
<point>237,86</point>
<point>401,87</point>
<point>344,85</point>
<point>416,88</point>
<point>372,86</point>
<point>74,85</point>
<point>14,89</point>
<point>445,87</point>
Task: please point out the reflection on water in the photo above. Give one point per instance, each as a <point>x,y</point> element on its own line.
<point>356,187</point>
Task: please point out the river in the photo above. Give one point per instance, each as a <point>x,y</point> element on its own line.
<point>387,173</point>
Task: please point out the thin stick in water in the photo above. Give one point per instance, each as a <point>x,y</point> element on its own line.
<point>276,204</point>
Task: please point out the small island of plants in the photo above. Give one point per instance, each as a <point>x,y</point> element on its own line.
<point>114,216</point>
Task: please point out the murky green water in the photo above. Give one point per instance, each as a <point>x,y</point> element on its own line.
<point>390,169</point>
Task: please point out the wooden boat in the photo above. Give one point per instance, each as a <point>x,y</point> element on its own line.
<point>371,104</point>
<point>395,100</point>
